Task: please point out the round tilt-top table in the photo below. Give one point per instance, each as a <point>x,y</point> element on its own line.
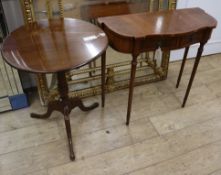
<point>57,46</point>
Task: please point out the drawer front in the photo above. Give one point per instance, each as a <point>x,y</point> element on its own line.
<point>184,40</point>
<point>190,39</point>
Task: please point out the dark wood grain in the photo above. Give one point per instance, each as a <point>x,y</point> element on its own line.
<point>56,46</point>
<point>178,28</point>
<point>168,30</point>
<point>49,46</point>
<point>163,23</point>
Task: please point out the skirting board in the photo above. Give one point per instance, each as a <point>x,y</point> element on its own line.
<point>5,104</point>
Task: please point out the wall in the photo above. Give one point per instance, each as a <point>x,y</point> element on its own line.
<point>214,44</point>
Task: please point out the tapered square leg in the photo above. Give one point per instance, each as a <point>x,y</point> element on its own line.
<point>131,87</point>
<point>182,66</point>
<point>197,60</point>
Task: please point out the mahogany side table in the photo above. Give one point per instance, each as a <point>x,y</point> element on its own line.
<point>57,46</point>
<point>168,30</point>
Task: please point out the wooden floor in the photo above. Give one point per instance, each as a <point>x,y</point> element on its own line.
<point>162,139</point>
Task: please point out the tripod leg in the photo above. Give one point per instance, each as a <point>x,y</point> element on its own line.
<point>69,135</point>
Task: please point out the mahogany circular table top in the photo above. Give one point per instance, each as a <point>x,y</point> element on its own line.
<point>54,45</point>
